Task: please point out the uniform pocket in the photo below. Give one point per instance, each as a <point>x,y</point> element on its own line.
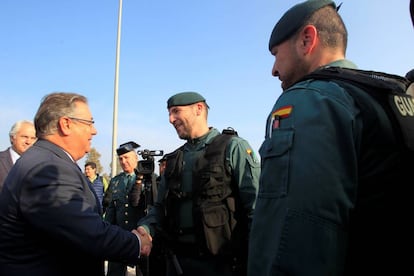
<point>216,227</point>
<point>323,245</point>
<point>275,155</point>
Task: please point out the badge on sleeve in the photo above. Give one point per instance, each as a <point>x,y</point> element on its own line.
<point>278,114</point>
<point>250,153</point>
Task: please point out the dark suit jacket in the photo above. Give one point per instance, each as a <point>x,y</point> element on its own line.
<point>5,165</point>
<point>50,222</point>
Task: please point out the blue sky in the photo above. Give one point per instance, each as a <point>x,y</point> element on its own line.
<point>218,48</point>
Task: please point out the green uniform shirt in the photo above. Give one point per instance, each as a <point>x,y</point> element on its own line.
<point>243,164</point>
<point>120,211</point>
<point>320,205</point>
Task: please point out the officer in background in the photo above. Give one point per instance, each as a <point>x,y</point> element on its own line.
<point>125,200</point>
<point>206,196</point>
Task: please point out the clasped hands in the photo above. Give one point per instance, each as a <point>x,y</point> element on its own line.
<point>146,240</point>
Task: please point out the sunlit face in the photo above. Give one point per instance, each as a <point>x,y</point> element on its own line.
<point>90,172</point>
<point>288,66</point>
<point>24,138</point>
<point>128,161</point>
<point>83,132</point>
<point>183,119</point>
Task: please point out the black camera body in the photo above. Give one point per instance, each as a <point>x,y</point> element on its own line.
<point>147,166</point>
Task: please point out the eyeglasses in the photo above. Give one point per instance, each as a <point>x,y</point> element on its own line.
<point>88,122</point>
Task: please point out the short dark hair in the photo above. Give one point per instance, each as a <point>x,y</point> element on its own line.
<point>331,28</point>
<point>92,164</point>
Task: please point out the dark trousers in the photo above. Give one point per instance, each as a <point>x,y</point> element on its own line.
<point>119,269</point>
<point>206,266</point>
<point>154,265</point>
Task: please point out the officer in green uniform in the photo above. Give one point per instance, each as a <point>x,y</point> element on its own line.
<point>206,196</point>
<point>124,198</point>
<point>330,167</point>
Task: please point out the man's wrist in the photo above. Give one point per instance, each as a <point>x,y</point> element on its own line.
<point>139,242</point>
<point>146,228</point>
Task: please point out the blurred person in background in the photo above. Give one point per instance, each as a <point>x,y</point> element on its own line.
<point>98,182</point>
<point>22,135</point>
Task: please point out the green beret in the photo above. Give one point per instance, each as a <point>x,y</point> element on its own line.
<point>185,98</point>
<point>294,19</point>
<point>127,147</point>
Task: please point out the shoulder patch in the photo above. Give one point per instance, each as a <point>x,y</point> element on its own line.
<point>252,155</point>
<point>283,112</point>
<point>280,113</point>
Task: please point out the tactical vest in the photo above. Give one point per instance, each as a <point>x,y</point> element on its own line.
<point>389,91</point>
<point>214,198</point>
<point>384,104</point>
<point>385,157</point>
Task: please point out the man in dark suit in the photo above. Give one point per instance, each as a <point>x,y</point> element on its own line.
<point>50,218</point>
<point>22,135</point>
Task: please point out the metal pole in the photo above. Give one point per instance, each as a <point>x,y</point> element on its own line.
<point>115,115</point>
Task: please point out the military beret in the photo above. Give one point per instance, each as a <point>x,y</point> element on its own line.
<point>185,98</point>
<point>294,19</point>
<point>127,147</point>
<point>162,159</point>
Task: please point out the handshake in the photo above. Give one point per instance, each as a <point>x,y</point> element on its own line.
<point>145,240</point>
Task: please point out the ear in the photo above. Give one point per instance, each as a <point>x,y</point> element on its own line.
<point>65,125</point>
<point>199,108</point>
<point>308,39</point>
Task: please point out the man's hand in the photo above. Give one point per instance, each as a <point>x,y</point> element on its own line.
<point>135,193</point>
<point>139,178</point>
<point>146,240</point>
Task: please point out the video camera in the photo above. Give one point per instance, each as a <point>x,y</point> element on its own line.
<point>146,166</point>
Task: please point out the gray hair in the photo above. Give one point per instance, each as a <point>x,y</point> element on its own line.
<point>16,127</point>
<point>52,107</point>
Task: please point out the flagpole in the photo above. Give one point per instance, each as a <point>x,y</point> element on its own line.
<point>115,114</point>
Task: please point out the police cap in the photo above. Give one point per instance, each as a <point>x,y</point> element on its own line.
<point>294,19</point>
<point>127,147</point>
<point>185,98</point>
